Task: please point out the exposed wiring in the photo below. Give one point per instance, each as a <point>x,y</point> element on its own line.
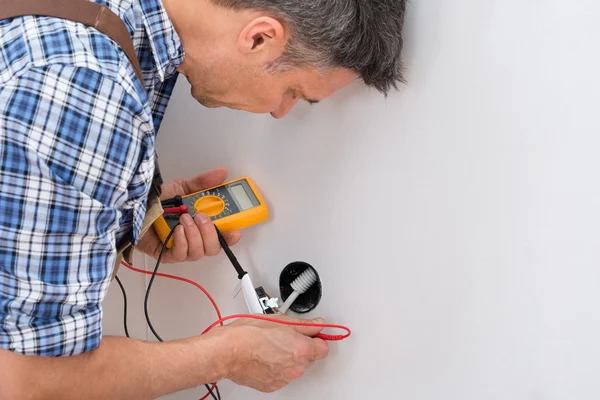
<point>300,285</point>
<point>124,305</point>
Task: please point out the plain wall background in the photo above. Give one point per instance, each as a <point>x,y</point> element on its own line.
<point>455,225</point>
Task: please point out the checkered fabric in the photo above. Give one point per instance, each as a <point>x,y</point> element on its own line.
<point>77,133</point>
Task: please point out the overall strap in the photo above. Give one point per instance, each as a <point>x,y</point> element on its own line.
<point>91,14</point>
<point>82,11</point>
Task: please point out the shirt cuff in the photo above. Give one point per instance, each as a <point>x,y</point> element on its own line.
<point>65,336</point>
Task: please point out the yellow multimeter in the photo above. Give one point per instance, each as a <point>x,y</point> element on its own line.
<point>231,206</point>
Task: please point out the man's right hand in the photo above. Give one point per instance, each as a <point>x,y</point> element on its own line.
<point>267,355</point>
<point>263,355</point>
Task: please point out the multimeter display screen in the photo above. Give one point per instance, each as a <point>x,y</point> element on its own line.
<point>241,196</point>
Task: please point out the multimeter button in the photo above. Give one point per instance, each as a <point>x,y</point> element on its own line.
<point>210,205</point>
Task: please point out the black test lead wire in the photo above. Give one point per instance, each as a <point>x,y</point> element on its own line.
<point>238,268</point>
<point>156,335</point>
<point>247,287</point>
<point>124,305</point>
<point>174,202</point>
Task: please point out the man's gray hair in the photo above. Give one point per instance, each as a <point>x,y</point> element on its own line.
<point>360,35</point>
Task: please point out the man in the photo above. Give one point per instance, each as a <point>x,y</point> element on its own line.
<point>77,133</point>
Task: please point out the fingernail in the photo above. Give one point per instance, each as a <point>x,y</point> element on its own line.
<point>319,321</point>
<point>203,218</point>
<point>187,219</point>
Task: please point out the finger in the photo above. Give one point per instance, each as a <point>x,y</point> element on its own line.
<point>271,387</point>
<point>180,247</point>
<point>204,181</point>
<point>321,349</point>
<point>310,331</point>
<point>195,246</point>
<point>233,237</point>
<point>209,235</point>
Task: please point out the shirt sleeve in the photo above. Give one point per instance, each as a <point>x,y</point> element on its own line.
<point>77,160</point>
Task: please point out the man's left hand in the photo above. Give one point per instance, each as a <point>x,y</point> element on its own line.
<point>194,237</point>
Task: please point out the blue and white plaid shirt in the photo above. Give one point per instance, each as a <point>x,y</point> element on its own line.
<point>77,133</point>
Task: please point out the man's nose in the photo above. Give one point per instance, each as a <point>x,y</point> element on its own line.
<point>284,108</point>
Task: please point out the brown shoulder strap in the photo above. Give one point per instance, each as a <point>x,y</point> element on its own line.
<point>82,11</point>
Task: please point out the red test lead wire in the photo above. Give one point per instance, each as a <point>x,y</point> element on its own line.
<point>178,278</point>
<point>291,323</point>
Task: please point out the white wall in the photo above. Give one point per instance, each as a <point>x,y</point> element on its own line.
<point>456,225</point>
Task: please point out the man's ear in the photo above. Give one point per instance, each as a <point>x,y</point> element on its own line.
<point>263,34</point>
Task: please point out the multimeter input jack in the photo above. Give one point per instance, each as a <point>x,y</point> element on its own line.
<point>301,275</point>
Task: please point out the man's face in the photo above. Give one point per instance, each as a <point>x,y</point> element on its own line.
<point>227,54</point>
<point>258,90</point>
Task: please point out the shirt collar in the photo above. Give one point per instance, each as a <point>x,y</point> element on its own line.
<point>165,44</point>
